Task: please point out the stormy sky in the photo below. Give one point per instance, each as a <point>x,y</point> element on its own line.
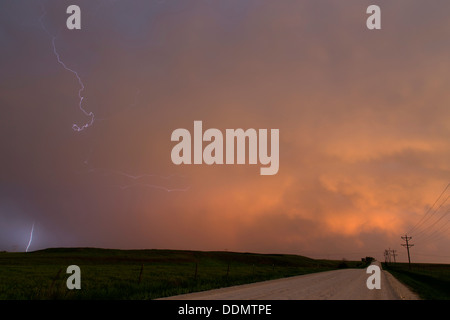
<point>364,123</point>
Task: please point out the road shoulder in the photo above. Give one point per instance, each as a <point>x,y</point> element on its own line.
<point>400,289</point>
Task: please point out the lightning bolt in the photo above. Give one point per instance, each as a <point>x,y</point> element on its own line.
<point>75,127</point>
<point>91,115</point>
<point>31,237</point>
<point>133,177</point>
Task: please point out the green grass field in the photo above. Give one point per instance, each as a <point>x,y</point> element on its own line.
<point>430,281</point>
<point>143,274</point>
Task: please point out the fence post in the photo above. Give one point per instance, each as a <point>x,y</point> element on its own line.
<point>196,267</point>
<point>54,280</point>
<point>140,273</point>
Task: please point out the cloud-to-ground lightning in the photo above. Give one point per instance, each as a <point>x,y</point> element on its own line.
<point>31,238</point>
<point>75,127</point>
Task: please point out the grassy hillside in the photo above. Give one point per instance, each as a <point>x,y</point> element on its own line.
<point>429,280</point>
<point>143,274</point>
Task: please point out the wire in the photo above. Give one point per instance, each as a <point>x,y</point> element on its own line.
<point>437,234</point>
<point>422,220</point>
<point>424,231</point>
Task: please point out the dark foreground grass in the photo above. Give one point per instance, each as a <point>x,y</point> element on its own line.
<point>143,274</point>
<point>429,281</point>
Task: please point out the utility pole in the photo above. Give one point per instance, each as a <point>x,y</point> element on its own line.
<point>407,245</point>
<point>386,256</point>
<point>394,254</point>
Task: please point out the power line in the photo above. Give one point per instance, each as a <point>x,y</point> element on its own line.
<point>422,220</point>
<point>438,233</point>
<point>424,231</point>
<point>431,216</point>
<point>430,226</point>
<point>439,236</point>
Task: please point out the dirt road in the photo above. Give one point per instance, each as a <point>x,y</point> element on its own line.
<point>345,284</point>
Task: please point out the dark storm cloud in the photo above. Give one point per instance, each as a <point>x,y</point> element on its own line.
<point>362,116</point>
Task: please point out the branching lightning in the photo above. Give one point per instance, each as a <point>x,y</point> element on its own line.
<point>80,105</point>
<point>75,127</point>
<point>31,237</point>
<point>137,180</point>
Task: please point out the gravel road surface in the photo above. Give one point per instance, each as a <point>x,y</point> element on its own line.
<point>344,284</point>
